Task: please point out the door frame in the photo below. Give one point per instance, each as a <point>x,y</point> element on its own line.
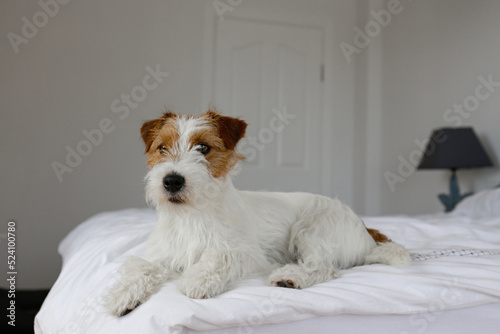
<point>328,172</point>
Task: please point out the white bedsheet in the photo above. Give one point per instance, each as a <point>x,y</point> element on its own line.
<point>457,265</point>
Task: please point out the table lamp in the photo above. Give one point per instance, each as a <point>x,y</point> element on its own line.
<point>454,148</point>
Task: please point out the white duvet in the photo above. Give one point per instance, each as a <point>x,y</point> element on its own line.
<point>456,265</point>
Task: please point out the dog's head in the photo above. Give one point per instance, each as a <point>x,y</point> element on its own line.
<point>190,157</point>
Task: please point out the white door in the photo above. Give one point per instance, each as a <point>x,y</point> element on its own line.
<point>269,74</point>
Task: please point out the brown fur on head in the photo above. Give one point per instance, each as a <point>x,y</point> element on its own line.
<point>149,129</point>
<point>169,136</point>
<point>231,130</point>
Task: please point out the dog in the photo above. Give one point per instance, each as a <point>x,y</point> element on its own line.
<point>209,234</point>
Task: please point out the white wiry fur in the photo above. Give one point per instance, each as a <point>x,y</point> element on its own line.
<point>389,253</point>
<point>222,234</point>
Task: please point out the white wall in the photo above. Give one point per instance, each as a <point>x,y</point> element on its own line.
<point>433,54</point>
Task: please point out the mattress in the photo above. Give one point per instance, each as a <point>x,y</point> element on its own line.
<point>452,286</point>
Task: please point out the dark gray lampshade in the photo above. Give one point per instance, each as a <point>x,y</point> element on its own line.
<point>454,148</point>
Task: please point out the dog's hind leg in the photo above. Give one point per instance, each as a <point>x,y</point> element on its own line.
<point>327,236</point>
<point>139,279</point>
<point>302,274</point>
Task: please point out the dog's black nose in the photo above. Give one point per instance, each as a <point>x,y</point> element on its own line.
<point>173,182</point>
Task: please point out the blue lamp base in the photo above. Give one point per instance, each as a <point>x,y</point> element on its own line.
<point>451,200</point>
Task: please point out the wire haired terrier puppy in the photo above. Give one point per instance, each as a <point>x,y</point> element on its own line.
<point>210,234</point>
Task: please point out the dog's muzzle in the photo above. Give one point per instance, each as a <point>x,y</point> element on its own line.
<point>174,183</point>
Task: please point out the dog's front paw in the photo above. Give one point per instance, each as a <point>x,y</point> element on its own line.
<point>196,292</point>
<point>119,302</point>
<point>139,279</point>
<point>201,287</point>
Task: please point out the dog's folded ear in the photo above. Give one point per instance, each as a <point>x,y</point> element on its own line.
<point>231,130</point>
<point>149,129</point>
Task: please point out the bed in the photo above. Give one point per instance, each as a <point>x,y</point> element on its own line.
<point>453,285</point>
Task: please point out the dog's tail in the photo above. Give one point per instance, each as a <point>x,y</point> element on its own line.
<point>387,252</point>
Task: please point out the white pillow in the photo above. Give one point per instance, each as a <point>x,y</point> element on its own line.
<point>483,204</point>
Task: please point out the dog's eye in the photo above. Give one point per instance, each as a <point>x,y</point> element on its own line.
<point>162,149</point>
<point>203,148</point>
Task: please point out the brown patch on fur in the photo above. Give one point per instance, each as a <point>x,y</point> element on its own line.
<point>149,130</point>
<point>377,236</point>
<point>231,130</point>
<point>159,132</point>
<point>222,138</point>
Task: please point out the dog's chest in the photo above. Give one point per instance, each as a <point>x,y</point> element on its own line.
<point>180,243</point>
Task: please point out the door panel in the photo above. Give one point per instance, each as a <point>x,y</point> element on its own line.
<point>264,70</point>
